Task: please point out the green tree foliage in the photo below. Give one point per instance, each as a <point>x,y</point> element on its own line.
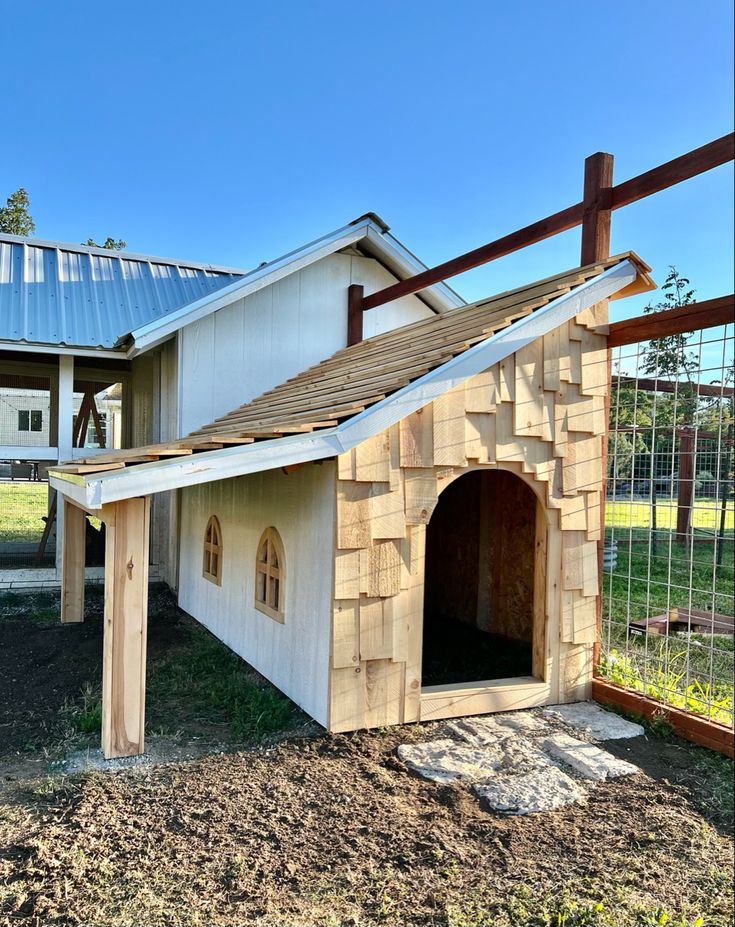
<point>14,216</point>
<point>668,356</point>
<point>111,244</point>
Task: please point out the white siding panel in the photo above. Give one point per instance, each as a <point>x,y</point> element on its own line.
<point>301,506</point>
<point>256,343</point>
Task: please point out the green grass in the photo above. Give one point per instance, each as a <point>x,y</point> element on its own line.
<point>22,507</point>
<point>694,673</point>
<point>634,513</point>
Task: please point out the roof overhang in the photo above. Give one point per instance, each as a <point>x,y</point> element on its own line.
<point>96,490</point>
<point>368,232</point>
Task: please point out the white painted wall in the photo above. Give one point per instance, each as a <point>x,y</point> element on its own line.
<point>241,351</point>
<point>301,506</point>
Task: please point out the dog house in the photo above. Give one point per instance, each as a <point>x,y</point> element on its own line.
<point>405,531</point>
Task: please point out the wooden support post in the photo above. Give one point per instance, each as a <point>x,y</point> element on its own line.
<point>355,293</point>
<point>596,216</point>
<point>685,492</point>
<point>126,605</point>
<point>72,563</point>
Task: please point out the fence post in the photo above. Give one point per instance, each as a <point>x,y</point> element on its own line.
<point>596,222</point>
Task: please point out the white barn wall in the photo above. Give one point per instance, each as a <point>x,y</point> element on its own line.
<point>241,351</point>
<point>301,506</point>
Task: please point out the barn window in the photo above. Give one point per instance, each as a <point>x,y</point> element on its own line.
<point>270,575</point>
<point>212,569</point>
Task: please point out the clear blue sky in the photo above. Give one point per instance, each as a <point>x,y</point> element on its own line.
<point>233,132</point>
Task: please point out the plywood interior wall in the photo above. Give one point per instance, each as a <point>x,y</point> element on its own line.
<point>541,414</point>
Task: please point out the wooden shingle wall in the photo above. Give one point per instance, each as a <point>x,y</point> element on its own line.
<point>539,413</point>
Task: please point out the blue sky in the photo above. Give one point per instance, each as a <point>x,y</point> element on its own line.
<point>234,132</point>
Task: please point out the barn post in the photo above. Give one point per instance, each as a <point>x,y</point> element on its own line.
<point>74,524</point>
<point>127,529</point>
<point>355,294</point>
<point>596,221</point>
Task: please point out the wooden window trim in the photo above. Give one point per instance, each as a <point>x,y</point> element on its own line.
<point>213,548</point>
<point>271,600</point>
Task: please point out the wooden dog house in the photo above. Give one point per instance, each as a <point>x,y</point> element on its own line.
<point>405,531</point>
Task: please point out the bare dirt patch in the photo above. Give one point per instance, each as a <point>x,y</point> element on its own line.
<point>333,829</point>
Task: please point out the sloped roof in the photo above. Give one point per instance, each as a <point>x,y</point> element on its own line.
<point>358,391</point>
<point>54,293</point>
<point>359,376</point>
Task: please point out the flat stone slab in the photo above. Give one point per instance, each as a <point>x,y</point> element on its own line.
<point>475,731</point>
<point>540,790</point>
<point>595,721</point>
<point>525,722</point>
<point>587,759</point>
<point>448,761</point>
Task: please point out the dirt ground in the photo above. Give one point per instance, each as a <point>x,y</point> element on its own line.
<point>333,829</point>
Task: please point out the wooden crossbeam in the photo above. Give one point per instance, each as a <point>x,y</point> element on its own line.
<point>708,313</point>
<point>659,178</point>
<point>673,386</point>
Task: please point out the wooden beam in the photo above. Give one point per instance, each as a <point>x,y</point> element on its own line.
<point>713,154</point>
<point>706,314</point>
<point>685,484</point>
<point>659,178</point>
<point>537,231</point>
<point>673,386</point>
<point>72,563</point>
<point>126,606</point>
<point>598,175</point>
<point>355,306</point>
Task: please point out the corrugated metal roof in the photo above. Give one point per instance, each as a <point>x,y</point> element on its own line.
<point>54,293</point>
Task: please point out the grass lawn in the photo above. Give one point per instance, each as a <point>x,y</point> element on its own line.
<point>694,673</point>
<point>22,506</point>
<point>263,818</point>
<point>634,513</point>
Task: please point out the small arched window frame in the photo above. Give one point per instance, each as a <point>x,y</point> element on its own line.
<point>212,563</point>
<point>270,575</point>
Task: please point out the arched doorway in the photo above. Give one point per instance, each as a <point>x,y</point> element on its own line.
<point>481,595</point>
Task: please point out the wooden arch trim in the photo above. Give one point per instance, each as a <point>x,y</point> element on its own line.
<point>213,550</point>
<point>270,575</point>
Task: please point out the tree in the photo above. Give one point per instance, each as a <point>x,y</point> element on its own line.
<point>667,356</point>
<point>111,244</point>
<point>14,216</point>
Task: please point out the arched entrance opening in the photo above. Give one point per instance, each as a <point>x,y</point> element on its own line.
<point>482,601</point>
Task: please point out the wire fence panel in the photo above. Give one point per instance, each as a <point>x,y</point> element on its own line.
<point>24,509</point>
<point>669,522</point>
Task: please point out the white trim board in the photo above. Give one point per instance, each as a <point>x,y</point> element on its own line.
<point>380,245</point>
<point>159,476</point>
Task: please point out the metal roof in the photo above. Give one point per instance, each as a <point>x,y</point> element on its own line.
<point>54,293</point>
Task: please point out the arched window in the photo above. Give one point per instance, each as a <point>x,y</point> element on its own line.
<point>212,569</point>
<point>270,574</point>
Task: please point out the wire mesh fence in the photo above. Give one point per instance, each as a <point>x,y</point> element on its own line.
<point>24,510</point>
<point>669,519</point>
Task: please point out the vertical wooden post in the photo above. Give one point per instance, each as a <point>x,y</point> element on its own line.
<point>72,563</point>
<point>596,221</point>
<point>685,492</point>
<point>355,294</point>
<point>127,527</point>
<point>64,408</point>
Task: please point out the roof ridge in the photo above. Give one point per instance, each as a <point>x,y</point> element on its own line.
<point>34,242</point>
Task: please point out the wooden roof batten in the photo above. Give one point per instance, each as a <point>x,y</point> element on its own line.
<point>275,429</point>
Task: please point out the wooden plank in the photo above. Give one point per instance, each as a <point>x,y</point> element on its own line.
<point>346,465</point>
<point>538,639</point>
<point>573,549</point>
<point>347,699</point>
<point>346,633</point>
<point>473,698</point>
<point>387,515</point>
<point>421,495</point>
<point>376,634</point>
<point>552,368</point>
<point>347,574</point>
<point>72,564</point>
<point>124,647</point>
<point>384,685</point>
<point>353,515</point>
<point>383,569</point>
<point>585,619</point>
<point>417,439</point>
<point>709,313</point>
<point>480,436</point>
<point>506,379</point>
<point>528,408</point>
<point>594,364</point>
<point>575,361</point>
<point>581,468</point>
<point>480,392</point>
<point>574,513</point>
<point>355,293</point>
<point>508,447</point>
<point>449,429</point>
<point>372,459</point>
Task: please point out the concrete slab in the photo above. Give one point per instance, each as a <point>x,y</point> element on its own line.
<point>540,790</point>
<point>587,759</point>
<point>594,721</point>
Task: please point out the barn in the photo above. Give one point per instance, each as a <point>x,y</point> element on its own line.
<point>404,530</point>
